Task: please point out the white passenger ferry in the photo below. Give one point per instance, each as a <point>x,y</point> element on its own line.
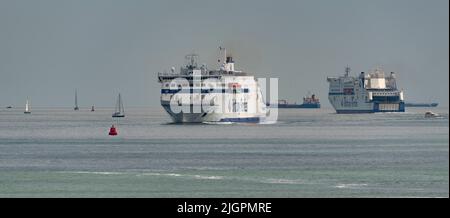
<point>196,94</point>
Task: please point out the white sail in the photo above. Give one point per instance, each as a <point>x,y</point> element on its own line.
<point>119,110</point>
<point>27,108</point>
<point>76,101</point>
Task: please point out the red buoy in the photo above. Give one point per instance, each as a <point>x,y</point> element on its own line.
<point>112,130</point>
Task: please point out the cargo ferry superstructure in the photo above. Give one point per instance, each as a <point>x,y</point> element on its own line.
<point>368,93</point>
<point>197,95</point>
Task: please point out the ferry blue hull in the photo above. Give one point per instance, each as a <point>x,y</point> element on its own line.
<point>241,120</point>
<point>202,117</point>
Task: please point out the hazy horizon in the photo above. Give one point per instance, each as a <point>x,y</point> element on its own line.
<point>49,48</point>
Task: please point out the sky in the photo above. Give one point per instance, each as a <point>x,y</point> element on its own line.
<point>49,48</point>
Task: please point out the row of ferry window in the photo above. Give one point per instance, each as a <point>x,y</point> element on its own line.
<point>382,93</point>
<point>235,91</point>
<point>352,98</point>
<point>186,85</point>
<point>388,98</point>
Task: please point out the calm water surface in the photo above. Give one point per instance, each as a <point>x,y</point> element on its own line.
<point>58,152</point>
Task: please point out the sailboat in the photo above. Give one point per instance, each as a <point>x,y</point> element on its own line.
<point>27,108</point>
<point>76,102</point>
<point>120,112</point>
<point>92,108</point>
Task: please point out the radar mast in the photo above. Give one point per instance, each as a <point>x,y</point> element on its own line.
<point>347,70</point>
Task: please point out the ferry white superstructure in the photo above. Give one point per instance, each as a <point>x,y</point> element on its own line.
<point>196,94</point>
<point>369,93</point>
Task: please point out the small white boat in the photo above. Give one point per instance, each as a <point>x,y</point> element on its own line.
<point>430,114</point>
<point>27,108</point>
<point>119,112</point>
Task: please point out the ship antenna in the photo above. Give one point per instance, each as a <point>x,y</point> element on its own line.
<point>347,70</point>
<point>224,50</point>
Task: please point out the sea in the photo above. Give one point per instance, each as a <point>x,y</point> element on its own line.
<point>59,152</point>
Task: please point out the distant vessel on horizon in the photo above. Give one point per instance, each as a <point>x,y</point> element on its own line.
<point>27,108</point>
<point>119,112</point>
<point>92,108</point>
<point>421,104</point>
<point>430,114</point>
<point>76,102</point>
<point>309,101</point>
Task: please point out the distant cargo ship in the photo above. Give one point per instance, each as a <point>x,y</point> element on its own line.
<point>421,104</point>
<point>308,102</point>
